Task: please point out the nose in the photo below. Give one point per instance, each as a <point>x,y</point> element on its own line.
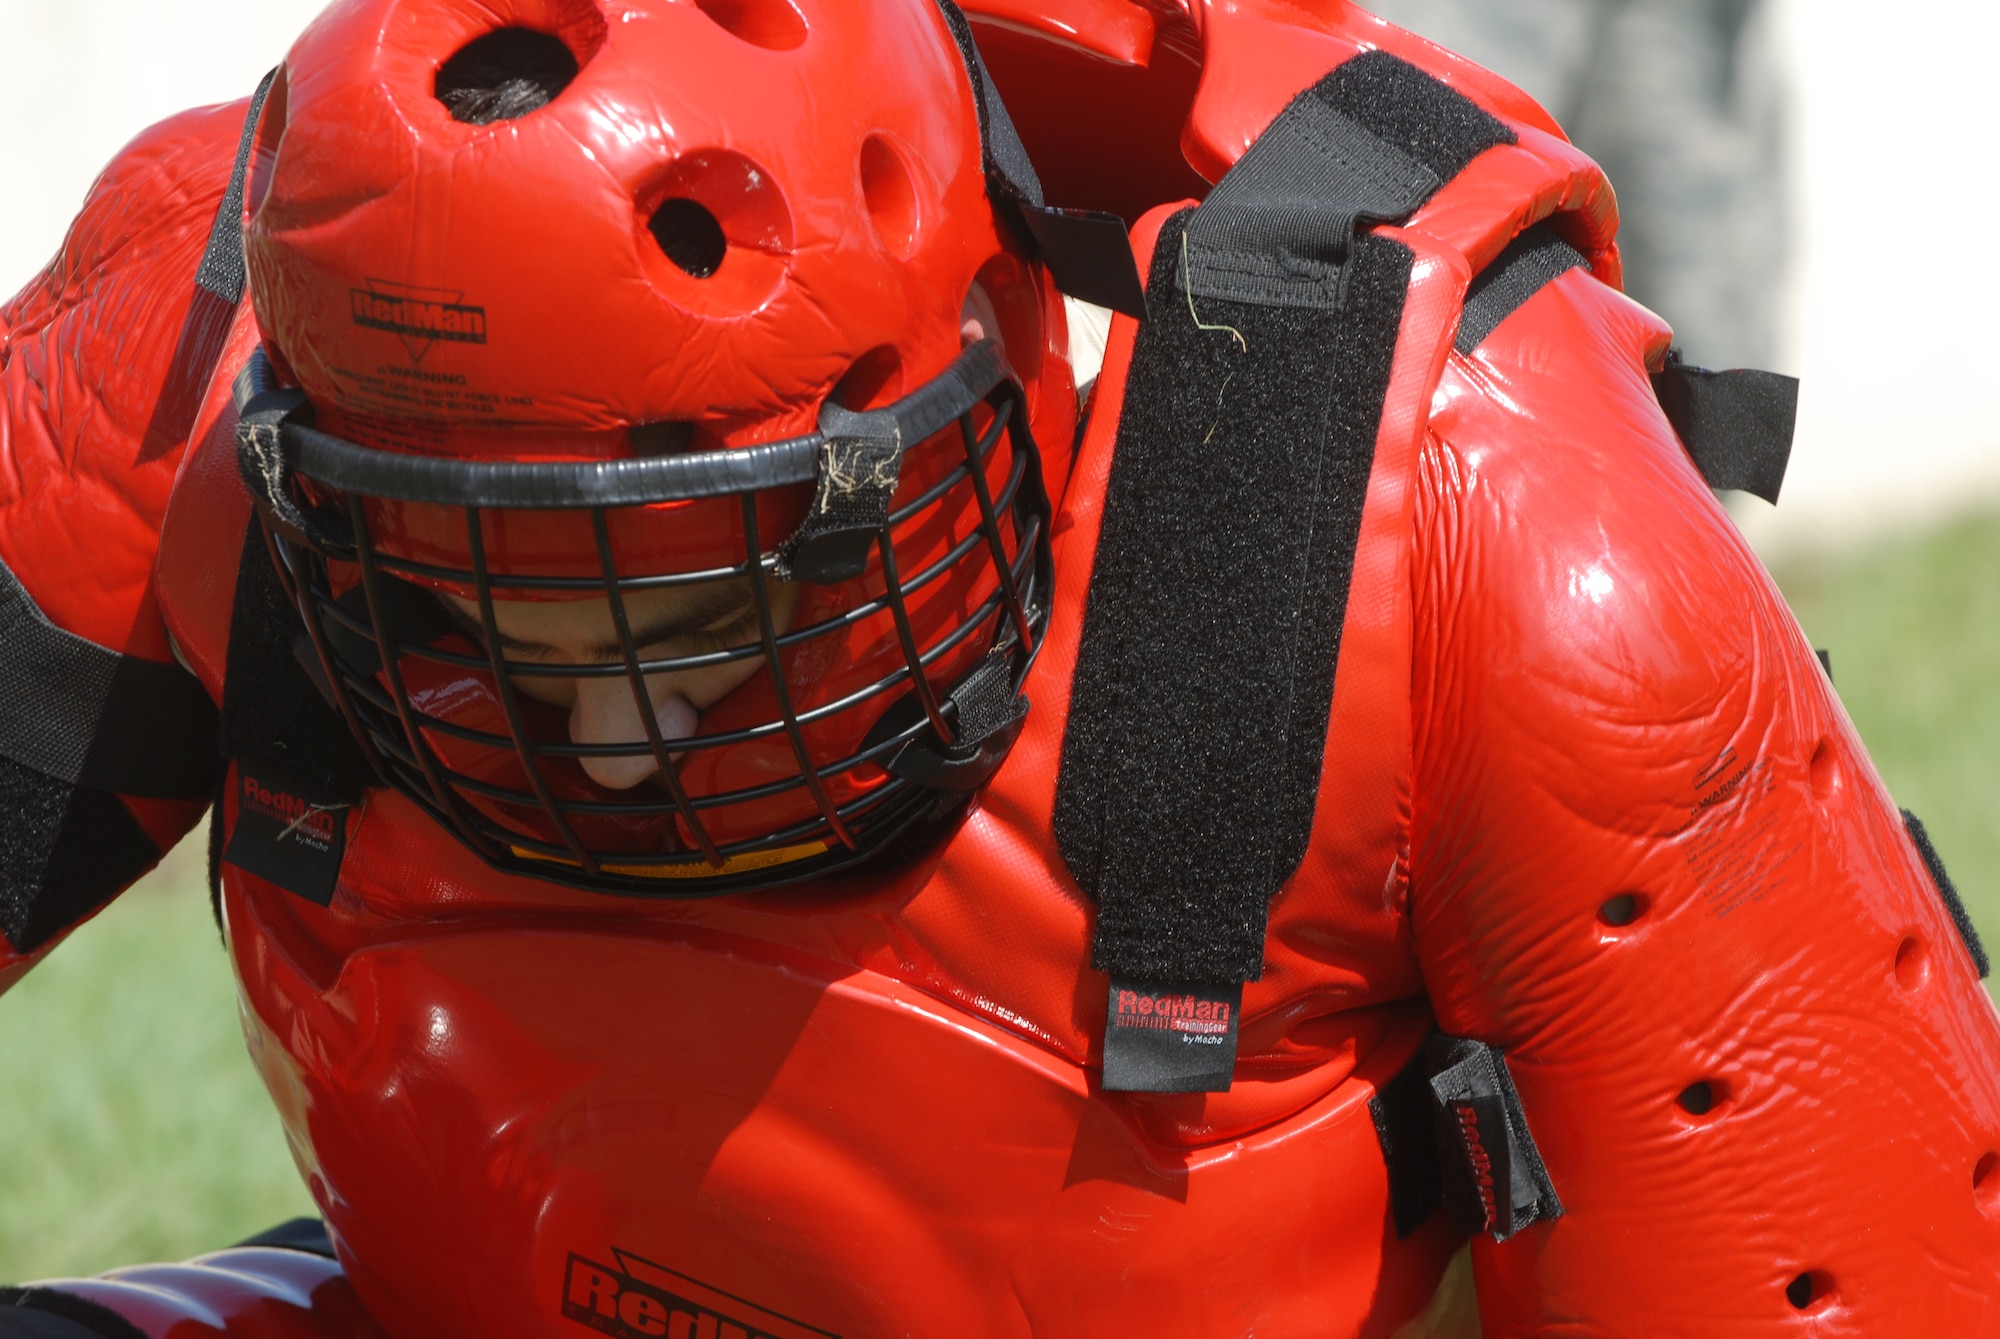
<point>606,712</point>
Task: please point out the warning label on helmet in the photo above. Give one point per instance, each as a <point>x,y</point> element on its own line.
<point>638,1298</point>
<point>420,316</point>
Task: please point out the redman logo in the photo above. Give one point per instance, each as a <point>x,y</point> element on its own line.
<point>420,316</point>
<point>638,1299</point>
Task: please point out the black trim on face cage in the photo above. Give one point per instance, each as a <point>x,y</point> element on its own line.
<point>928,742</point>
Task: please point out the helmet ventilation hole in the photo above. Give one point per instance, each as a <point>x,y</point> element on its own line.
<point>771,24</point>
<point>875,379</point>
<point>890,194</point>
<point>505,74</point>
<point>690,235</point>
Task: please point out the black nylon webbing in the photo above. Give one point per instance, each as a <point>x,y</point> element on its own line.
<point>222,269</point>
<point>1204,681</point>
<point>85,715</point>
<point>1530,263</point>
<point>218,289</point>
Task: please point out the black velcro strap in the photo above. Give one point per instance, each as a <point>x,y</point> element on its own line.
<point>1494,1180</point>
<point>64,852</point>
<point>1948,893</point>
<point>1088,253</point>
<point>1198,715</point>
<point>272,714</point>
<point>218,289</point>
<point>44,1313</point>
<point>1530,263</point>
<point>222,266</point>
<point>300,1234</point>
<point>1404,1128</point>
<point>85,715</point>
<point>1737,425</point>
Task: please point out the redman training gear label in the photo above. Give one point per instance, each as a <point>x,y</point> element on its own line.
<point>1170,1039</point>
<point>1494,1180</point>
<point>287,837</point>
<point>420,316</point>
<point>637,1299</point>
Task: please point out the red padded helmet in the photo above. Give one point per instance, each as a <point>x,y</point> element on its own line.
<point>571,302</point>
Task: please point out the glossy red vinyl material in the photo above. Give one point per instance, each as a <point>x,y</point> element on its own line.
<point>866,1106</point>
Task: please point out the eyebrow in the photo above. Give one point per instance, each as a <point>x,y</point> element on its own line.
<point>708,607</point>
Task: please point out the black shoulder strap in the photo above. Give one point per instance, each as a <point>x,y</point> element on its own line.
<point>1198,716</point>
<point>218,286</point>
<point>85,715</point>
<point>1530,263</point>
<point>1737,425</point>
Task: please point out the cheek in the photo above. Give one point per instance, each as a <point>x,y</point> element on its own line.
<point>704,688</point>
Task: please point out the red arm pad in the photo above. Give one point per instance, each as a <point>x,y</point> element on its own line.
<point>1651,862</point>
<point>101,369</point>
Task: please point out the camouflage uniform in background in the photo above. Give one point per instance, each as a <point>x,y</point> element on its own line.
<point>1683,102</point>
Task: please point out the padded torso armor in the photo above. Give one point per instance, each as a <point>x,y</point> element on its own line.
<point>1586,797</point>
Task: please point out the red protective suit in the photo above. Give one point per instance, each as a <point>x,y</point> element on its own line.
<point>867,1107</point>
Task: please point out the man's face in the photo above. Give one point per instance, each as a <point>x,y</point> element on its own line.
<point>676,621</point>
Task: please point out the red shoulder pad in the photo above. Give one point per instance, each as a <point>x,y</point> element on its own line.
<point>1651,862</point>
<point>87,376</point>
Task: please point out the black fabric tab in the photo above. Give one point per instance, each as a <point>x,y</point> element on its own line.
<point>287,833</point>
<point>64,852</point>
<point>272,715</point>
<point>300,1234</point>
<point>1170,1038</point>
<point>1948,893</point>
<point>45,1313</point>
<point>1825,661</point>
<point>1737,426</point>
<point>1530,263</point>
<point>1088,253</point>
<point>1204,681</point>
<point>1493,1177</point>
<point>1403,1127</point>
<point>85,715</point>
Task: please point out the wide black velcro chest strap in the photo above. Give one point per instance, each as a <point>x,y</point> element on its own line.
<point>80,725</point>
<point>84,715</point>
<point>1204,681</point>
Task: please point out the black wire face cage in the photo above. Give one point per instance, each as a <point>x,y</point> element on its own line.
<point>926,743</point>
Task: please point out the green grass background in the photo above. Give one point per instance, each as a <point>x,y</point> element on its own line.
<point>132,1127</point>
